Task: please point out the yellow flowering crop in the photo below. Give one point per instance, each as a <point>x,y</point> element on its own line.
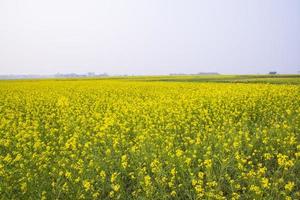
<point>137,139</point>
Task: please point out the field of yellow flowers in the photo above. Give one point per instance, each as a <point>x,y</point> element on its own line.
<point>120,139</point>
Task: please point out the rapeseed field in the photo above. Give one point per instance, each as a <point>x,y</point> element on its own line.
<point>120,139</point>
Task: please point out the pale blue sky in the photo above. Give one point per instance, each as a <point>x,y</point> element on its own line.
<point>149,36</point>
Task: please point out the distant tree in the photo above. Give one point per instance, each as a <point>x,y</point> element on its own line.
<point>273,72</point>
<point>91,74</point>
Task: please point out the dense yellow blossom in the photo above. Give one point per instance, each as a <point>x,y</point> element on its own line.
<point>141,139</point>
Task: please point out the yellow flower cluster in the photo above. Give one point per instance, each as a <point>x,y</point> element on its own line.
<point>135,139</point>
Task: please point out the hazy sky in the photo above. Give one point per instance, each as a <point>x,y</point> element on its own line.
<point>149,36</point>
